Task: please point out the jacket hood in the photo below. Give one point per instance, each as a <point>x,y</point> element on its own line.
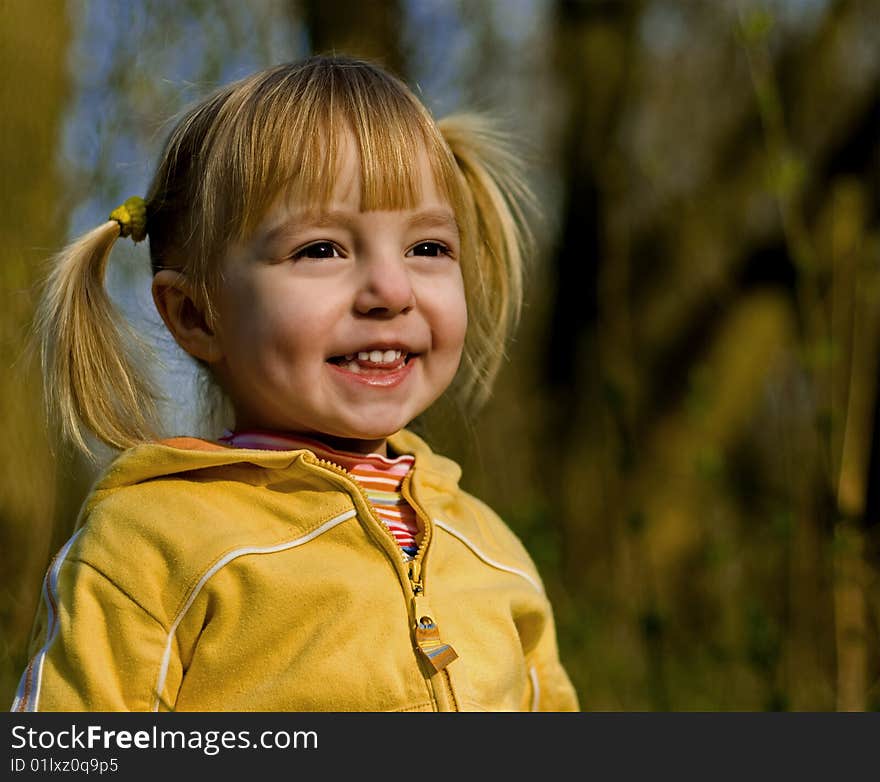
<point>165,458</point>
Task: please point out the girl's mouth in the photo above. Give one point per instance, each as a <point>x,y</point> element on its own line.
<point>373,362</point>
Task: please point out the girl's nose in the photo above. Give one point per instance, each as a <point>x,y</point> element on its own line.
<point>386,288</point>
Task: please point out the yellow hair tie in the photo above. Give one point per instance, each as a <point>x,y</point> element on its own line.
<point>132,218</point>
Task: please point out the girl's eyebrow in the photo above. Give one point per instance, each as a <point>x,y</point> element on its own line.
<point>435,218</point>
<point>429,218</point>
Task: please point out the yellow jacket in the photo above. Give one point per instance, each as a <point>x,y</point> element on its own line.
<point>206,578</point>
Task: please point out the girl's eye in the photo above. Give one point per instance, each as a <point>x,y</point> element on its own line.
<point>318,250</point>
<point>429,248</point>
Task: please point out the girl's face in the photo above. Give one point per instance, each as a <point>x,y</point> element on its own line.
<point>343,323</point>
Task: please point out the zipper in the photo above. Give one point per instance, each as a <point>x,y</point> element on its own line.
<point>427,635</point>
<point>435,654</point>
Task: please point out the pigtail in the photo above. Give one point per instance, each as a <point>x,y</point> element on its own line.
<point>89,378</point>
<point>497,236</point>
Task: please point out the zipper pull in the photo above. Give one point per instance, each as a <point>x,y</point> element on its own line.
<point>427,635</point>
<point>415,576</point>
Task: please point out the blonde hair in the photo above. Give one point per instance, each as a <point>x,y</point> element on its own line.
<point>224,165</point>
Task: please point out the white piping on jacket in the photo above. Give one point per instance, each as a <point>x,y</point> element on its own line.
<point>34,671</point>
<point>506,568</point>
<point>166,657</point>
<point>536,689</point>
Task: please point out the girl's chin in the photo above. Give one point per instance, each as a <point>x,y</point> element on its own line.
<point>366,439</point>
<point>373,423</point>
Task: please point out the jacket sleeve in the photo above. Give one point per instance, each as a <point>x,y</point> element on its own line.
<point>95,648</point>
<point>550,688</point>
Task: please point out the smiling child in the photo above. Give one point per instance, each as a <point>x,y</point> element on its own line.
<point>336,260</point>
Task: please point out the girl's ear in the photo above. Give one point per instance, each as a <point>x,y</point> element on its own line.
<point>183,317</point>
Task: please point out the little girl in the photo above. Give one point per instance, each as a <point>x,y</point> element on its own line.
<point>336,260</point>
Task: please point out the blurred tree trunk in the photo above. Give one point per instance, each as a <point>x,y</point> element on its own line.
<point>855,333</point>
<point>371,30</point>
<point>595,50</point>
<point>595,53</point>
<point>33,60</point>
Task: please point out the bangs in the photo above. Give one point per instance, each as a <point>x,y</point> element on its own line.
<point>291,136</point>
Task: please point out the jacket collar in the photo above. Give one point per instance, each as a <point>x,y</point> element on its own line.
<point>433,473</point>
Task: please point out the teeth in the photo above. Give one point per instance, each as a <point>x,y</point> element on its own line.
<point>353,366</point>
<point>376,356</point>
